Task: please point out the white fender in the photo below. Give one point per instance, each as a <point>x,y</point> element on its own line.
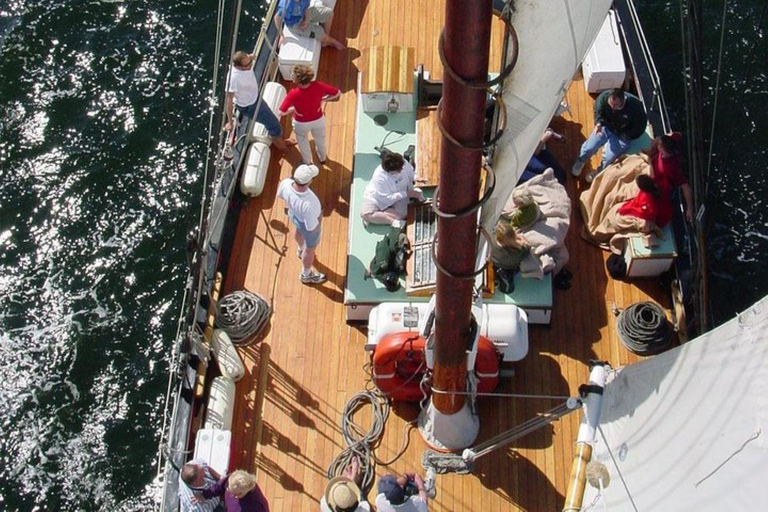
<point>212,446</point>
<point>272,96</point>
<point>255,171</point>
<point>221,404</point>
<point>226,355</point>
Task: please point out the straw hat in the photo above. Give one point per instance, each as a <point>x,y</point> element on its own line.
<point>342,493</point>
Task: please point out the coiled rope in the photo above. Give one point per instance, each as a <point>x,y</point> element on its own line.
<point>644,329</point>
<point>242,314</point>
<point>359,442</point>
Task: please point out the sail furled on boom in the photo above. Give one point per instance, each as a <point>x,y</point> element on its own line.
<point>553,38</point>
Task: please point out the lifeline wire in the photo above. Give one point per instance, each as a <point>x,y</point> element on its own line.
<point>242,315</point>
<point>616,465</point>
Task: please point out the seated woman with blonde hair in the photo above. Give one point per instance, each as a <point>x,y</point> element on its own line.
<point>240,492</point>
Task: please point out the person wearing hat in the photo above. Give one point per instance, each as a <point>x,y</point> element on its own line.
<point>305,213</point>
<point>402,494</point>
<point>342,494</point>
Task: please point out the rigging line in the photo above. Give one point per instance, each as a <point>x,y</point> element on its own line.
<point>616,465</point>
<point>741,448</point>
<point>500,395</point>
<point>180,321</point>
<point>717,86</point>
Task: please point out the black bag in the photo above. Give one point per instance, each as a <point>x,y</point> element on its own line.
<point>616,266</point>
<point>389,259</point>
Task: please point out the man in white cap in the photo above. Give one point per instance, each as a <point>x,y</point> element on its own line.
<point>342,494</point>
<point>305,212</point>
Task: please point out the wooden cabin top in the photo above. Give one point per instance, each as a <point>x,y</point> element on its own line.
<point>286,425</point>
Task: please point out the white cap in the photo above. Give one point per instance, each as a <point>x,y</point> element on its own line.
<point>305,173</point>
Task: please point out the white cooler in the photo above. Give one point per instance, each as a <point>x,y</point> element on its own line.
<point>295,50</point>
<point>212,445</point>
<point>604,67</point>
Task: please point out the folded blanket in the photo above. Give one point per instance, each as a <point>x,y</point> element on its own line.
<point>603,225</point>
<point>547,235</point>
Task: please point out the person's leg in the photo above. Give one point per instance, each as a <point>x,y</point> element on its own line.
<point>548,160</point>
<point>266,117</point>
<point>318,133</point>
<point>302,139</point>
<point>329,41</point>
<point>299,240</point>
<point>380,217</point>
<point>593,143</point>
<point>615,148</point>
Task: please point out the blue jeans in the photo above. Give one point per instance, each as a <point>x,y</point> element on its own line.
<point>615,148</point>
<point>264,116</point>
<point>540,163</point>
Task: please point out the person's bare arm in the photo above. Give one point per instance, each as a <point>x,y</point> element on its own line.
<point>230,108</point>
<point>688,196</point>
<point>420,486</point>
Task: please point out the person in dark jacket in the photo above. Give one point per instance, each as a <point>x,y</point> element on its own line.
<point>619,119</point>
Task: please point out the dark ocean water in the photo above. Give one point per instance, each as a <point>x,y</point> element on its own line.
<point>102,127</point>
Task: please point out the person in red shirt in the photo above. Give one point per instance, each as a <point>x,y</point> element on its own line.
<point>645,204</point>
<point>305,103</point>
<point>668,174</point>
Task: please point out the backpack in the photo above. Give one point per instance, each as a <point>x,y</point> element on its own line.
<point>389,259</point>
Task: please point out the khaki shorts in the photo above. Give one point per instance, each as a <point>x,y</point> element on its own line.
<point>316,14</point>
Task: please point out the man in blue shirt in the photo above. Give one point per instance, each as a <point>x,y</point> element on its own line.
<point>308,19</point>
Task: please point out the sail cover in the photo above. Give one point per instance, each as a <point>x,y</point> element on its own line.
<point>688,428</point>
<point>554,37</point>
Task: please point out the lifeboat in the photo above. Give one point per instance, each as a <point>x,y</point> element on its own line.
<point>399,364</point>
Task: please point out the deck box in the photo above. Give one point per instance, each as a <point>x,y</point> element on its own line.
<point>603,67</point>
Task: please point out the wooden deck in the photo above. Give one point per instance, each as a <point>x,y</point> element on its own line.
<point>299,377</point>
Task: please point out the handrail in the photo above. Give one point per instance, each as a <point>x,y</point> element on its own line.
<point>209,221</point>
<point>651,66</point>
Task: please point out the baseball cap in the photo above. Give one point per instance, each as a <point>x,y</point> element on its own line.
<point>305,173</point>
<point>388,487</point>
<point>341,493</point>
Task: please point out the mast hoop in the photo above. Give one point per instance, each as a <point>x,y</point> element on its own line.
<point>485,84</point>
<point>469,210</point>
<point>483,145</point>
<point>463,277</point>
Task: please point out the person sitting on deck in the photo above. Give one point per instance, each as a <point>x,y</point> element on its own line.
<point>385,200</point>
<point>542,159</point>
<point>668,173</point>
<point>196,476</point>
<point>240,492</point>
<point>619,119</point>
<point>402,494</point>
<point>342,494</point>
<point>243,91</point>
<point>307,19</point>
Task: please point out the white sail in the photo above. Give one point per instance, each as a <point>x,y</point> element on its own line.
<point>554,37</point>
<point>688,428</point>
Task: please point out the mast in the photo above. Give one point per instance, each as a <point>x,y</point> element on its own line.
<point>466,45</point>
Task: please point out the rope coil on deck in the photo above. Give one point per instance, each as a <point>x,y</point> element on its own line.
<point>243,314</point>
<point>644,329</point>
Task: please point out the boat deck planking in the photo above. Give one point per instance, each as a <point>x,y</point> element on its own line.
<point>310,362</point>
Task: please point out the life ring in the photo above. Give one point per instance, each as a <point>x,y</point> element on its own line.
<point>399,364</point>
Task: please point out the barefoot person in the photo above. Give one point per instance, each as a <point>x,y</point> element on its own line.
<point>243,92</point>
<point>308,20</point>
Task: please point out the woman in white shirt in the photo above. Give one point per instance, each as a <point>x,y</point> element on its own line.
<point>385,200</point>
